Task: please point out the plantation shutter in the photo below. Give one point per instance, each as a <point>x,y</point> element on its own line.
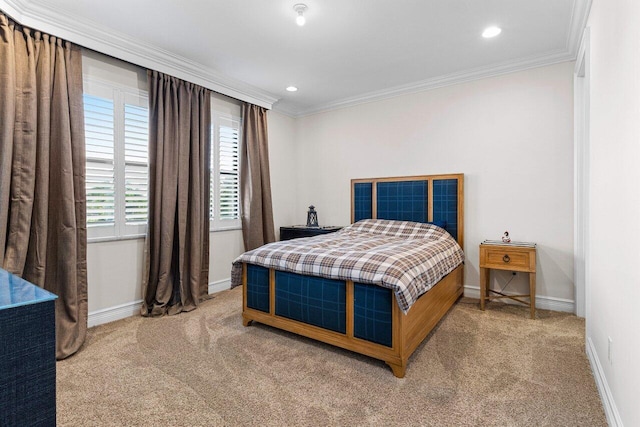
<point>100,164</point>
<point>212,174</point>
<point>117,171</point>
<point>224,197</point>
<point>229,164</point>
<point>136,164</point>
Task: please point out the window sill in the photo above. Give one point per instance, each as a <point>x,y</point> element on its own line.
<point>142,236</point>
<point>115,238</point>
<point>217,230</point>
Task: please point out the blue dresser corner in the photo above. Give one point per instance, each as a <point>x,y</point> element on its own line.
<point>27,353</point>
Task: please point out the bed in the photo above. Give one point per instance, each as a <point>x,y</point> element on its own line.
<point>343,300</point>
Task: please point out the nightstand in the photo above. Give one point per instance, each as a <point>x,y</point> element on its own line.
<point>297,231</point>
<point>512,257</point>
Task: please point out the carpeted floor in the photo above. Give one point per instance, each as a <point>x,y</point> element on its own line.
<point>203,368</point>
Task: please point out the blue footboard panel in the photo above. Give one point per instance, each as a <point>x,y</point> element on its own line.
<point>372,313</point>
<point>258,288</point>
<point>322,302</point>
<point>312,300</point>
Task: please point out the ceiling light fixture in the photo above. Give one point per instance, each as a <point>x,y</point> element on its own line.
<point>491,32</point>
<point>291,89</point>
<point>300,8</point>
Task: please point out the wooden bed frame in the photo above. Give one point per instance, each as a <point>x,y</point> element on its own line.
<point>408,330</point>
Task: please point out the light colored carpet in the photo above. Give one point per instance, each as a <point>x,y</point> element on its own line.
<point>203,368</point>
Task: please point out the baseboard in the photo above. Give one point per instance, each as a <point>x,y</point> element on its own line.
<point>610,409</point>
<point>112,314</point>
<point>542,302</point>
<point>122,311</point>
<point>220,285</point>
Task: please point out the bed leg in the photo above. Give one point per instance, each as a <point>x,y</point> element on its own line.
<point>246,322</point>
<point>398,370</point>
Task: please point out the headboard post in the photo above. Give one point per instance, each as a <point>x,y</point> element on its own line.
<point>420,198</point>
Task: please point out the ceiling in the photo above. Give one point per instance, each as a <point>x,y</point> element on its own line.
<point>349,51</point>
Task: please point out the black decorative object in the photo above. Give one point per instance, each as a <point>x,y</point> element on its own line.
<point>312,217</point>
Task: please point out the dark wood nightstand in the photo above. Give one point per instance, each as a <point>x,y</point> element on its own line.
<point>512,257</point>
<point>297,231</point>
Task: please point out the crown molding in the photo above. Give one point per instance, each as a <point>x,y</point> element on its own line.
<point>436,82</point>
<point>13,8</point>
<point>579,18</point>
<point>288,111</point>
<point>96,37</point>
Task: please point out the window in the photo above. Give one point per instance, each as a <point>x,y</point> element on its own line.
<point>117,176</point>
<point>224,210</point>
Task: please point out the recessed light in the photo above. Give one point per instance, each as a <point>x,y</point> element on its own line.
<point>491,32</point>
<point>291,89</point>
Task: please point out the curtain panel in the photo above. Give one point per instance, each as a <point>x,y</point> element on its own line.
<point>42,172</point>
<point>176,276</point>
<point>255,181</point>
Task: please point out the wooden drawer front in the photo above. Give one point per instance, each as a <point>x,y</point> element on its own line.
<point>507,259</point>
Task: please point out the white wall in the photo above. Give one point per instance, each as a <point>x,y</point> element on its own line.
<point>283,161</point>
<point>114,275</point>
<point>512,137</point>
<point>614,231</point>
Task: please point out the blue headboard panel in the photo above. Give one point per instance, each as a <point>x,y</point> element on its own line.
<point>402,200</point>
<point>426,198</point>
<point>363,201</point>
<point>445,204</point>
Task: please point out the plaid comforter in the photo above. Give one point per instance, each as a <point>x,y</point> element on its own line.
<point>407,257</point>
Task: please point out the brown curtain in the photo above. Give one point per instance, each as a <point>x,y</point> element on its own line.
<point>176,274</point>
<point>42,166</point>
<point>255,183</point>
